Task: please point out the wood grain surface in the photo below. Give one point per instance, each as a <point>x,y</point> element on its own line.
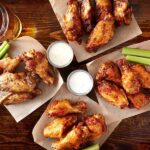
<point>39,21</point>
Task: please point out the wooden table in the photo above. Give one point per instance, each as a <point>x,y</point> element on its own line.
<point>40,22</point>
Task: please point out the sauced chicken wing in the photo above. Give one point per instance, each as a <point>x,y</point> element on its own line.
<point>63,107</point>
<point>130,80</point>
<point>109,71</point>
<point>87,15</point>
<point>143,74</point>
<point>112,93</point>
<point>72,22</point>
<point>101,34</point>
<point>122,12</point>
<point>37,62</point>
<point>59,126</point>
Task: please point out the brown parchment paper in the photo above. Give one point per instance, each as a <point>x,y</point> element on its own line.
<point>122,34</point>
<point>93,107</point>
<point>117,113</point>
<point>20,111</point>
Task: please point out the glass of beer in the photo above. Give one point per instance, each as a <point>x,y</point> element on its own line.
<point>10,24</point>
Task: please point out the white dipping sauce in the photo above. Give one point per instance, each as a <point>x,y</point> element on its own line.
<point>80,82</point>
<point>60,54</point>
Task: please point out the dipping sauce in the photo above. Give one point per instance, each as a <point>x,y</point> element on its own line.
<point>60,54</point>
<point>80,82</point>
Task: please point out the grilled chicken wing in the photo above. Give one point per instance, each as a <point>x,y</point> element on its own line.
<point>122,12</point>
<point>130,80</point>
<point>87,15</point>
<point>59,126</point>
<point>63,107</point>
<point>109,71</point>
<point>112,93</point>
<point>37,62</point>
<point>72,22</point>
<point>9,64</point>
<point>101,34</point>
<point>143,74</point>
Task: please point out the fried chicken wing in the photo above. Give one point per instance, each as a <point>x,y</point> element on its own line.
<point>122,12</point>
<point>37,62</point>
<point>59,126</point>
<point>130,80</point>
<point>143,74</point>
<point>113,94</point>
<point>63,107</point>
<point>72,22</point>
<point>101,34</point>
<point>109,71</point>
<point>87,15</point>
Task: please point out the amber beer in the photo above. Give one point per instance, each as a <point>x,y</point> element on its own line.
<point>10,24</point>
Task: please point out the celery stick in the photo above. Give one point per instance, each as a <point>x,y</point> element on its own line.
<point>3,45</point>
<point>141,60</point>
<point>4,50</point>
<point>92,147</point>
<point>136,52</point>
<point>6,55</point>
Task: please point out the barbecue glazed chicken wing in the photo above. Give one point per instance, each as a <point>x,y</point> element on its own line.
<point>130,80</point>
<point>64,107</point>
<point>37,62</point>
<point>87,15</point>
<point>109,71</point>
<point>59,126</point>
<point>112,93</point>
<point>122,12</point>
<point>72,22</point>
<point>101,34</point>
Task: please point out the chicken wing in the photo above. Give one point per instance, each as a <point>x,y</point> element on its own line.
<point>18,82</point>
<point>37,62</point>
<point>87,15</point>
<point>143,74</point>
<point>59,126</point>
<point>109,71</point>
<point>113,94</point>
<point>122,12</point>
<point>72,22</point>
<point>130,80</point>
<point>59,108</point>
<point>101,34</point>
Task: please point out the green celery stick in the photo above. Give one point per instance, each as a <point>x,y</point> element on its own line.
<point>136,52</point>
<point>92,147</point>
<point>3,45</point>
<point>141,60</point>
<point>6,55</point>
<point>4,50</point>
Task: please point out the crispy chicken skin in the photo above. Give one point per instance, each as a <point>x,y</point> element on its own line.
<point>59,126</point>
<point>37,62</point>
<point>59,108</point>
<point>101,34</point>
<point>109,71</point>
<point>87,15</point>
<point>139,100</point>
<point>72,22</point>
<point>113,94</point>
<point>18,82</point>
<point>9,64</point>
<point>143,74</point>
<point>130,80</point>
<point>122,12</point>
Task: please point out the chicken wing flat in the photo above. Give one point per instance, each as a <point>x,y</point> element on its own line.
<point>72,22</point>
<point>37,62</point>
<point>122,12</point>
<point>109,71</point>
<point>59,126</point>
<point>60,108</point>
<point>143,74</point>
<point>101,34</point>
<point>9,64</point>
<point>113,94</point>
<point>87,15</point>
<point>130,80</point>
<point>18,82</point>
